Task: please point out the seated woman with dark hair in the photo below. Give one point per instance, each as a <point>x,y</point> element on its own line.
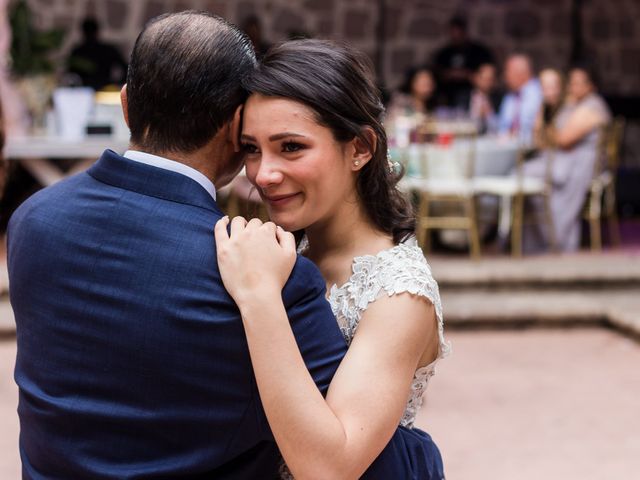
<point>416,95</point>
<point>574,136</point>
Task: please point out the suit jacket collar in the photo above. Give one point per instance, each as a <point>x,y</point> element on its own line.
<point>118,171</point>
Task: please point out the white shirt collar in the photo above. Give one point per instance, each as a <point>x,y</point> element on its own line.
<point>172,165</point>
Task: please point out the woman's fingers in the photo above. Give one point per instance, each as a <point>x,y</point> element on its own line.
<point>270,228</point>
<point>238,224</point>
<point>286,239</point>
<point>255,222</point>
<point>220,230</point>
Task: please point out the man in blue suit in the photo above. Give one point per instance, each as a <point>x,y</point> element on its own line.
<point>132,360</point>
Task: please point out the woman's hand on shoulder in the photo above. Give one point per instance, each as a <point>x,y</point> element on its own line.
<point>254,258</point>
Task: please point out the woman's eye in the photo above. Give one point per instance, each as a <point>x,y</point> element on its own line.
<point>248,148</point>
<point>290,147</point>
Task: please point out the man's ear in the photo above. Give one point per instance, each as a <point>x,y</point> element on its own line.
<point>363,150</point>
<point>236,128</point>
<point>124,103</point>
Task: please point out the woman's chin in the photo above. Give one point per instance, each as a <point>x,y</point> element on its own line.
<point>286,222</point>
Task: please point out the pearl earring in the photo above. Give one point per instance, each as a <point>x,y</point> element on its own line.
<point>356,163</point>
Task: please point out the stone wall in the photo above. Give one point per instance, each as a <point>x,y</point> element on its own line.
<point>413,29</point>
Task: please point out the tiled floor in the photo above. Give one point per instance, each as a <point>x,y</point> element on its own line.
<point>9,457</point>
<point>530,404</point>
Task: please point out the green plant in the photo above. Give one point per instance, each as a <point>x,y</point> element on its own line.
<point>30,48</point>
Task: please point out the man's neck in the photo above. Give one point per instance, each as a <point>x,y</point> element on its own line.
<point>522,87</point>
<point>196,160</point>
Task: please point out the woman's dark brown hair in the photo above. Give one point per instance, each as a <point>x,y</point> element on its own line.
<point>337,83</point>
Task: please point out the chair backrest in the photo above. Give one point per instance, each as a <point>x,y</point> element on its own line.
<point>609,146</point>
<point>613,143</point>
<point>448,150</point>
<point>547,152</point>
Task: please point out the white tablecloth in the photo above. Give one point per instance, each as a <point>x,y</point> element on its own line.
<point>39,154</point>
<point>494,156</point>
<point>55,147</point>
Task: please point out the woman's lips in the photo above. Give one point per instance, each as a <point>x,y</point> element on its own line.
<point>280,200</point>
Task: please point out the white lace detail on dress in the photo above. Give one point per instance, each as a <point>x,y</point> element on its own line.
<point>400,269</point>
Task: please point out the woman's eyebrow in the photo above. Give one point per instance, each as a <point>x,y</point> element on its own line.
<point>273,138</point>
<point>280,136</point>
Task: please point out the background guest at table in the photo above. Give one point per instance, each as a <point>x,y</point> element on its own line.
<point>95,62</point>
<point>252,26</point>
<point>416,96</point>
<point>520,106</point>
<point>484,99</point>
<point>455,63</point>
<point>576,133</point>
<point>552,84</point>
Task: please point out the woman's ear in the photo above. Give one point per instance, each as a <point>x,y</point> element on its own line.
<point>363,148</point>
<point>235,129</point>
<point>124,103</point>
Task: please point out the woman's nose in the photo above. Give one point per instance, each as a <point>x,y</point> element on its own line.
<point>268,173</point>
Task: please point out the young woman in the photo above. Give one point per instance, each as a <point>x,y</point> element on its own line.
<point>316,151</point>
<point>553,93</point>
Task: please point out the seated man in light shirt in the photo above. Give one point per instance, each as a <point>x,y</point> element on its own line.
<point>520,106</point>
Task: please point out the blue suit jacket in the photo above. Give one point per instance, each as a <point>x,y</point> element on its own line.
<point>132,359</point>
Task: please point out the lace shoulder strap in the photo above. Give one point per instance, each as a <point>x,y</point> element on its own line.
<point>405,269</point>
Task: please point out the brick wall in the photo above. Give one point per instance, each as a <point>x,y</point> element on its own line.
<point>414,29</point>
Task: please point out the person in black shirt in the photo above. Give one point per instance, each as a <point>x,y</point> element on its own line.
<point>456,62</point>
<point>98,64</point>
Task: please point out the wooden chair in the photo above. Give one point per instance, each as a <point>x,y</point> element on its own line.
<point>514,191</point>
<point>453,191</point>
<point>601,201</point>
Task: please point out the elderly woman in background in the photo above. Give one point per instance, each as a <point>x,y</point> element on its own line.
<point>573,137</point>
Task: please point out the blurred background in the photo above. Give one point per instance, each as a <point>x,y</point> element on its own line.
<point>532,226</point>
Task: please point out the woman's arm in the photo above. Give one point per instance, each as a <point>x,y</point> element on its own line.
<point>579,124</point>
<point>538,130</point>
<point>341,436</point>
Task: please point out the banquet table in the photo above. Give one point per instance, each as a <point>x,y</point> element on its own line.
<point>493,156</point>
<point>490,156</point>
<point>41,155</point>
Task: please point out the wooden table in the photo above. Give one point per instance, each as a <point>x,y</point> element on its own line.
<point>492,157</point>
<point>40,155</point>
